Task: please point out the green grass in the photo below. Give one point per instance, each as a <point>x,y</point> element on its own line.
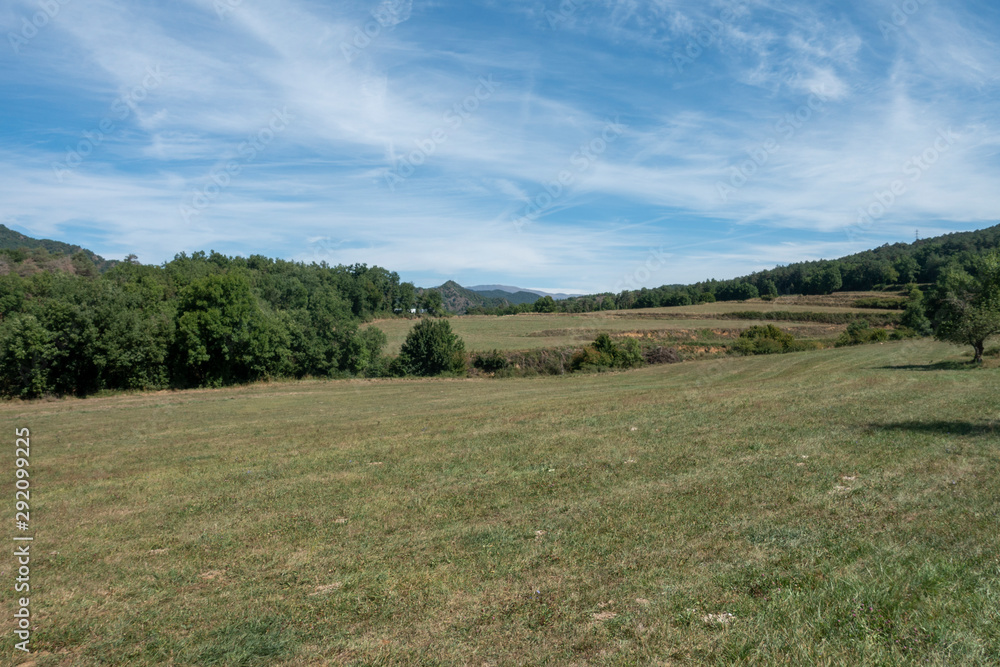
<point>840,504</point>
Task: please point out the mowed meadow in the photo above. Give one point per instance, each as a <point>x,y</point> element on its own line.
<point>831,507</point>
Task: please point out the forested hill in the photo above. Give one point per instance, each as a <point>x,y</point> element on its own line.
<point>46,254</point>
<point>922,261</point>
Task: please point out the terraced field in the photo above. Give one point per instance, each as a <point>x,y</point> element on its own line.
<point>705,322</point>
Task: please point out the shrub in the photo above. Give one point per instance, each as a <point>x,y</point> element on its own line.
<point>861,332</point>
<point>431,348</point>
<point>887,303</point>
<point>662,355</point>
<point>879,319</point>
<point>605,353</point>
<point>491,362</point>
<point>764,339</point>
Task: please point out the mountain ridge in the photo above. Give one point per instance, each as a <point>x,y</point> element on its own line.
<point>514,290</point>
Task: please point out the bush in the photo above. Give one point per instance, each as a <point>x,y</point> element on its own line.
<point>529,363</point>
<point>879,319</point>
<point>887,303</point>
<point>605,353</point>
<point>491,362</point>
<point>662,355</point>
<point>861,332</point>
<point>431,348</point>
<point>765,339</point>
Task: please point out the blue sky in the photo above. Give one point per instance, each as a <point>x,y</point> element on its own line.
<point>580,146</point>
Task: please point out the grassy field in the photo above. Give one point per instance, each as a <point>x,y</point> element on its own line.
<point>830,507</point>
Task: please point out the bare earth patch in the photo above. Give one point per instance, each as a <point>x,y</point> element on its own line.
<point>326,588</point>
<point>725,618</point>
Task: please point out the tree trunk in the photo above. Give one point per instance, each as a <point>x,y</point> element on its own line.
<point>978,347</point>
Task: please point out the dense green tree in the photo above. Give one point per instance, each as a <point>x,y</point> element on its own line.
<point>12,290</point>
<point>737,291</point>
<point>915,314</point>
<point>768,288</point>
<point>26,353</point>
<point>133,339</point>
<point>223,336</point>
<point>406,297</point>
<point>907,268</point>
<point>73,363</point>
<point>432,303</point>
<point>830,280</point>
<point>545,305</point>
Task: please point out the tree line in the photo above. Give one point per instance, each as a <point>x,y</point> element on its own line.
<point>198,320</point>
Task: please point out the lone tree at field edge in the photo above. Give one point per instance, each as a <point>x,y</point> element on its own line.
<point>969,310</point>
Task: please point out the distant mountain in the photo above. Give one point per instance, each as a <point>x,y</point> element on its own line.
<point>514,298</point>
<point>516,290</point>
<point>458,299</point>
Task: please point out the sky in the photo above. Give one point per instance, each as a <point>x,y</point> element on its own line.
<point>579,146</point>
